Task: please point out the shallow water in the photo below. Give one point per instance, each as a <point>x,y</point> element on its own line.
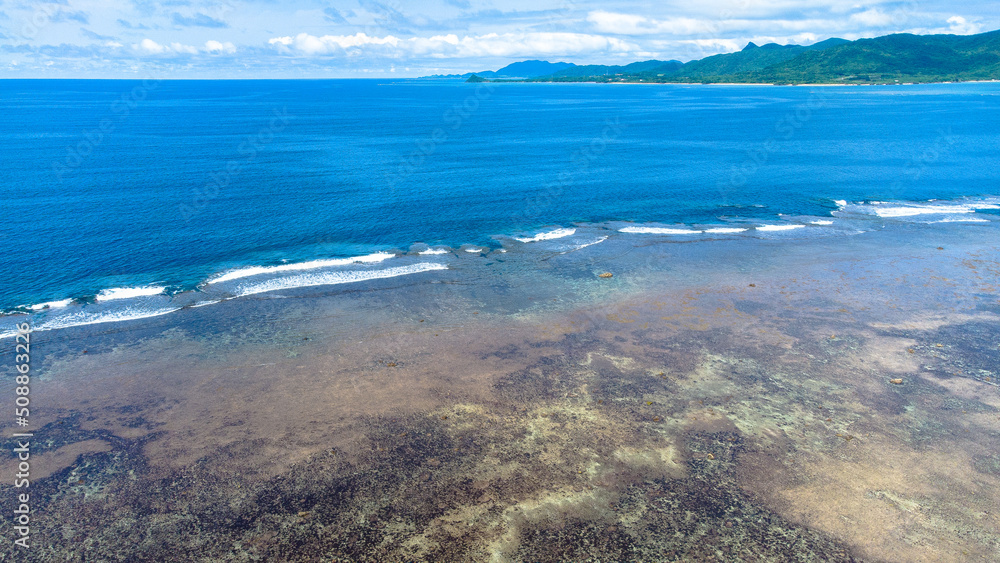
<point>725,399</point>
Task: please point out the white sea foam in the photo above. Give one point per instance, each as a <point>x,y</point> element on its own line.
<point>911,210</point>
<point>779,227</point>
<point>203,303</point>
<point>724,230</point>
<point>473,249</point>
<point>85,318</point>
<point>334,278</point>
<point>558,233</point>
<point>821,222</point>
<point>841,203</point>
<point>431,251</point>
<point>591,243</point>
<point>129,292</point>
<point>658,231</point>
<point>52,305</point>
<point>311,265</point>
<point>962,220</point>
<point>9,334</point>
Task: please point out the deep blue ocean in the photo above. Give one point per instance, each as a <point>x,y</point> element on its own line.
<point>116,191</point>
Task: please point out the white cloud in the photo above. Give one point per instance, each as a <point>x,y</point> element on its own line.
<point>219,47</point>
<point>151,46</point>
<point>712,46</point>
<point>183,49</point>
<point>306,44</point>
<point>961,26</point>
<point>872,18</point>
<point>452,46</point>
<point>424,36</point>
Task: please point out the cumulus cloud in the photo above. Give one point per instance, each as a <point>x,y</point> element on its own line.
<point>184,49</point>
<point>306,44</point>
<point>453,46</point>
<point>961,26</point>
<point>872,18</point>
<point>449,35</point>
<point>148,46</point>
<point>219,47</point>
<point>700,47</point>
<point>151,46</point>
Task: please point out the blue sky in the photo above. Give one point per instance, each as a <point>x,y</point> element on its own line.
<point>381,38</point>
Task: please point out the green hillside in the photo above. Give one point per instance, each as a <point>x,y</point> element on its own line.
<point>901,57</point>
<point>884,60</point>
<point>750,59</point>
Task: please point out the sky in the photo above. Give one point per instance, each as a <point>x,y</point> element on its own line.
<point>390,38</point>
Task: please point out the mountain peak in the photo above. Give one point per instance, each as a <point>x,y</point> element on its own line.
<point>750,45</point>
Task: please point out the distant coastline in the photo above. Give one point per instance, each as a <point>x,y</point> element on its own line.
<point>887,60</point>
<point>801,84</point>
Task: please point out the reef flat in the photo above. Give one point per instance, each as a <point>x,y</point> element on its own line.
<point>781,408</point>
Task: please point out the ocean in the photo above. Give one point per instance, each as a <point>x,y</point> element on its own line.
<point>371,320</point>
<point>127,199</point>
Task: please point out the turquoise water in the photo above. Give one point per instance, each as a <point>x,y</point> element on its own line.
<point>128,199</point>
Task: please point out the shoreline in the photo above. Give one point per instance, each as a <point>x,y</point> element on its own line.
<point>461,427</point>
<point>420,261</point>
